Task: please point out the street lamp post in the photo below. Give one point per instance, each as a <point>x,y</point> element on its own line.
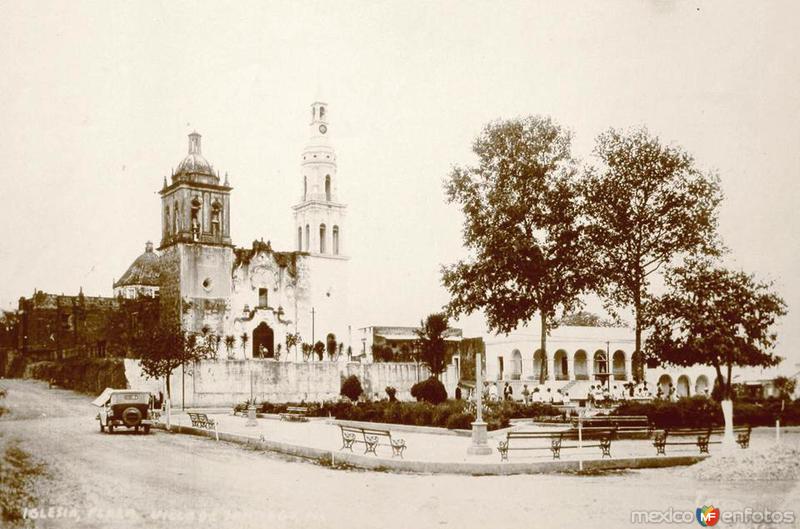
<point>479,444</point>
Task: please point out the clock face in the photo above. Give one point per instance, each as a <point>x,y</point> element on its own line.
<point>323,129</point>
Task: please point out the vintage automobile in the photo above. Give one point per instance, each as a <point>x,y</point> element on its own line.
<point>124,407</point>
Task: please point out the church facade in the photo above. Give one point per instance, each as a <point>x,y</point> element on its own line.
<point>252,298</point>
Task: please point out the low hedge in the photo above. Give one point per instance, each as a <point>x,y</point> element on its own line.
<point>701,411</point>
<point>452,414</point>
<point>87,375</point>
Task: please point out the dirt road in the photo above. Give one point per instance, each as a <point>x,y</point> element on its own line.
<point>166,480</point>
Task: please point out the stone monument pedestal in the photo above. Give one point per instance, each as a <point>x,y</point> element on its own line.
<point>479,446</point>
<point>251,416</point>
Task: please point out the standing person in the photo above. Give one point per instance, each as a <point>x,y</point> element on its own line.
<point>526,394</point>
<point>493,392</point>
<point>507,392</point>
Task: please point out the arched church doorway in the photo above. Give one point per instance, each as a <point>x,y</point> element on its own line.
<point>263,341</point>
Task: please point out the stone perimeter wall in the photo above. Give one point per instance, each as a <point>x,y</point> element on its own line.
<point>223,383</point>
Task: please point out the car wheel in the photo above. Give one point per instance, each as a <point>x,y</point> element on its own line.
<point>102,429</point>
<point>146,428</point>
<point>110,428</point>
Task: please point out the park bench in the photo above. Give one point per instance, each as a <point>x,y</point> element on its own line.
<point>591,437</point>
<point>625,426</point>
<point>700,437</point>
<point>201,420</point>
<point>371,439</point>
<point>295,414</point>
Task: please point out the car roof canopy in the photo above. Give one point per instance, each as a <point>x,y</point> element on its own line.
<point>105,396</point>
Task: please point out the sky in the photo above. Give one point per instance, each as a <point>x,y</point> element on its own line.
<point>97,98</point>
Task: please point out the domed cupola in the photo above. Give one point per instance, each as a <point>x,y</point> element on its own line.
<point>143,277</point>
<point>194,167</point>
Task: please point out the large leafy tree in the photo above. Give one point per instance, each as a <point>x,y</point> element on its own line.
<point>714,316</point>
<point>646,204</point>
<point>162,348</point>
<point>431,341</point>
<point>521,225</point>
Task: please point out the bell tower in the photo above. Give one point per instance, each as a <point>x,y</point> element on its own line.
<point>320,215</point>
<point>320,231</point>
<point>196,248</point>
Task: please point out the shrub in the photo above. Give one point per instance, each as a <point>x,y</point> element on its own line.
<point>351,388</point>
<point>460,421</point>
<point>430,390</point>
<point>700,411</point>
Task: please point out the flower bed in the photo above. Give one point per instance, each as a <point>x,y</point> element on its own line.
<point>452,414</point>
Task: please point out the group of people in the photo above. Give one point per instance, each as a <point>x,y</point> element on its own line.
<point>546,395</point>
<point>597,393</point>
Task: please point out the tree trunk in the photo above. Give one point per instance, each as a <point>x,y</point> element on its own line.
<point>727,413</point>
<point>637,308</point>
<point>727,410</point>
<point>543,347</point>
<point>727,406</point>
<point>169,392</point>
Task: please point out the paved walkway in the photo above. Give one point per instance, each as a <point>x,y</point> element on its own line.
<point>320,433</point>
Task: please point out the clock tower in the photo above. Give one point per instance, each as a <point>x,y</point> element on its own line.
<point>319,216</point>
<point>319,230</point>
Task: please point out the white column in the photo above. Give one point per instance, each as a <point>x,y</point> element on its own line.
<point>551,371</point>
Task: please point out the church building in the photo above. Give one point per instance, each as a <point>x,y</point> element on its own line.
<point>252,298</point>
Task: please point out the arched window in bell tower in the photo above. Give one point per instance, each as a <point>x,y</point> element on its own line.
<point>305,188</point>
<point>308,238</point>
<point>175,218</point>
<point>336,240</point>
<point>328,187</point>
<point>321,112</point>
<point>321,238</point>
<point>216,219</point>
<point>196,219</point>
<point>167,224</point>
<point>299,239</point>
